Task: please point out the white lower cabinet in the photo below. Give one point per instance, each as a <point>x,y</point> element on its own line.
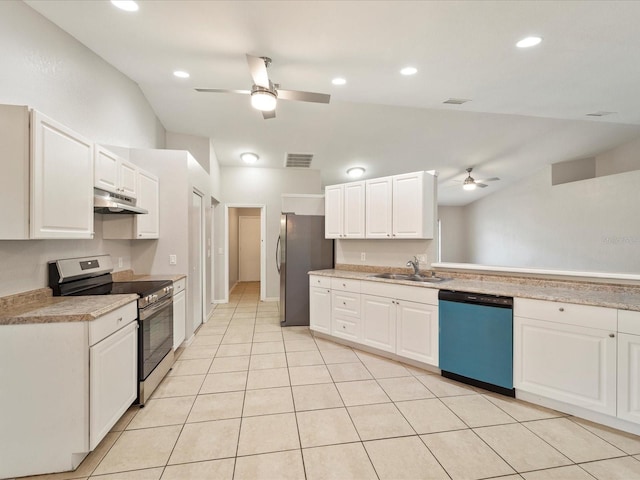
<point>629,366</point>
<point>379,326</point>
<point>394,318</point>
<point>113,376</point>
<point>320,309</point>
<point>417,326</point>
<point>561,359</point>
<point>179,312</point>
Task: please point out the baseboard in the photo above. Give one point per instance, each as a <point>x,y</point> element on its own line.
<point>271,299</point>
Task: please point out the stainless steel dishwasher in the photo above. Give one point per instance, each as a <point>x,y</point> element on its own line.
<point>476,339</point>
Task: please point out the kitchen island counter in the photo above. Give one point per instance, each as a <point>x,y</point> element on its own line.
<point>623,297</point>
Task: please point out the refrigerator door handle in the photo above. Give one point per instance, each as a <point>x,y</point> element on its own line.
<point>277,255</point>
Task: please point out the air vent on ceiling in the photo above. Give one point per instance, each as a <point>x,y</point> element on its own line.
<point>457,101</point>
<point>298,160</point>
<point>599,113</point>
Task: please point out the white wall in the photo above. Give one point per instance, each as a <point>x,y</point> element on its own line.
<point>49,70</point>
<point>590,225</point>
<point>265,186</point>
<point>384,253</point>
<point>453,234</point>
<point>198,147</point>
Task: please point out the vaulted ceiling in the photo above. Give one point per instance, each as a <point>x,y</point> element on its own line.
<point>528,107</point>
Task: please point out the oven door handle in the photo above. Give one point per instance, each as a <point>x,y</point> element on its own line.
<point>154,307</point>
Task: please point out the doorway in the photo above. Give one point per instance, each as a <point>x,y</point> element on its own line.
<point>249,249</point>
<point>245,255</point>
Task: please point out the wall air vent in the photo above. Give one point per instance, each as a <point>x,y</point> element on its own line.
<point>599,113</point>
<point>457,101</point>
<point>298,160</point>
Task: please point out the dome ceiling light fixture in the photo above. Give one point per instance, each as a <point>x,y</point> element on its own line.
<point>249,157</point>
<point>126,5</point>
<point>529,42</point>
<point>355,172</point>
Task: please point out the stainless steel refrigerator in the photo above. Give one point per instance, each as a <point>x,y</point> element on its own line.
<point>301,247</point>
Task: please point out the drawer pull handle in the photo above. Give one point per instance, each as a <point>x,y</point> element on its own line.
<point>344,303</point>
<point>612,335</point>
<point>561,309</point>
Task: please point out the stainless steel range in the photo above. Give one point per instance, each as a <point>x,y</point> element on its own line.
<point>92,276</point>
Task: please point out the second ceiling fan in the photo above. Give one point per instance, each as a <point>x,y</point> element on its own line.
<point>264,93</point>
<point>470,183</point>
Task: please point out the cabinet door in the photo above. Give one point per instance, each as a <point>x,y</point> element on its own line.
<point>179,318</point>
<point>320,309</point>
<point>61,181</point>
<point>379,322</point>
<point>106,170</point>
<point>113,380</point>
<point>417,331</point>
<point>353,223</point>
<point>379,208</point>
<point>333,211</point>
<point>569,363</point>
<point>148,225</point>
<point>629,377</point>
<point>413,205</point>
<point>128,179</point>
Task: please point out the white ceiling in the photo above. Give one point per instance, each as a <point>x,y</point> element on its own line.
<point>528,106</point>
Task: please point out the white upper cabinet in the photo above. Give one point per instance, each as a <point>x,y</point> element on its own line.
<point>115,174</point>
<point>401,206</point>
<point>414,201</point>
<point>379,195</point>
<point>148,225</point>
<point>46,186</point>
<point>344,210</point>
<point>61,181</point>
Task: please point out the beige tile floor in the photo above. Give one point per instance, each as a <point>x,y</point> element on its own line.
<point>251,400</point>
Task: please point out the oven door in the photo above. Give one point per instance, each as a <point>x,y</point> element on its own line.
<point>155,337</point>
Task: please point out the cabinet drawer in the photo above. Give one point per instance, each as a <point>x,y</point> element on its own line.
<point>346,303</point>
<point>346,327</point>
<point>567,313</point>
<point>401,292</point>
<point>629,322</point>
<point>319,281</point>
<point>113,321</point>
<point>345,284</point>
<point>179,285</point>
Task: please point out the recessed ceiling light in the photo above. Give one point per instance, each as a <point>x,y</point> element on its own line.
<point>181,74</point>
<point>249,157</point>
<point>339,81</point>
<point>409,71</point>
<point>126,5</point>
<point>528,42</point>
<point>355,172</point>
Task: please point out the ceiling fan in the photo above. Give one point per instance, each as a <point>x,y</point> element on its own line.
<point>470,183</point>
<point>264,93</point>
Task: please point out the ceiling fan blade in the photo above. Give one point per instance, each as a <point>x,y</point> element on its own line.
<point>481,185</point>
<point>492,179</point>
<point>303,96</point>
<point>222,90</point>
<point>258,70</point>
<point>268,115</point>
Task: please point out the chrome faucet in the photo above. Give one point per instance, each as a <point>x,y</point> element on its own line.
<point>415,263</point>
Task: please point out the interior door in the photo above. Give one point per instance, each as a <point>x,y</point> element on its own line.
<point>249,249</point>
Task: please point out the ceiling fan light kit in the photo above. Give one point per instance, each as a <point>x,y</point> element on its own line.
<point>263,99</point>
<point>265,93</point>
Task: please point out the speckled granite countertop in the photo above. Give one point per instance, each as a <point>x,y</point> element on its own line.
<point>39,306</point>
<point>602,295</point>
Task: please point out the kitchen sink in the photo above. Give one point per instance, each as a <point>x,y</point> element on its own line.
<point>410,277</point>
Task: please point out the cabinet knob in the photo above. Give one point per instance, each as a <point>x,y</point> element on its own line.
<point>612,335</point>
<point>120,319</point>
<point>344,326</point>
<point>561,309</point>
<point>344,303</point>
<point>388,235</point>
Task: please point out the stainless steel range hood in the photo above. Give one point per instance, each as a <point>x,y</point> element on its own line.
<point>107,202</point>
